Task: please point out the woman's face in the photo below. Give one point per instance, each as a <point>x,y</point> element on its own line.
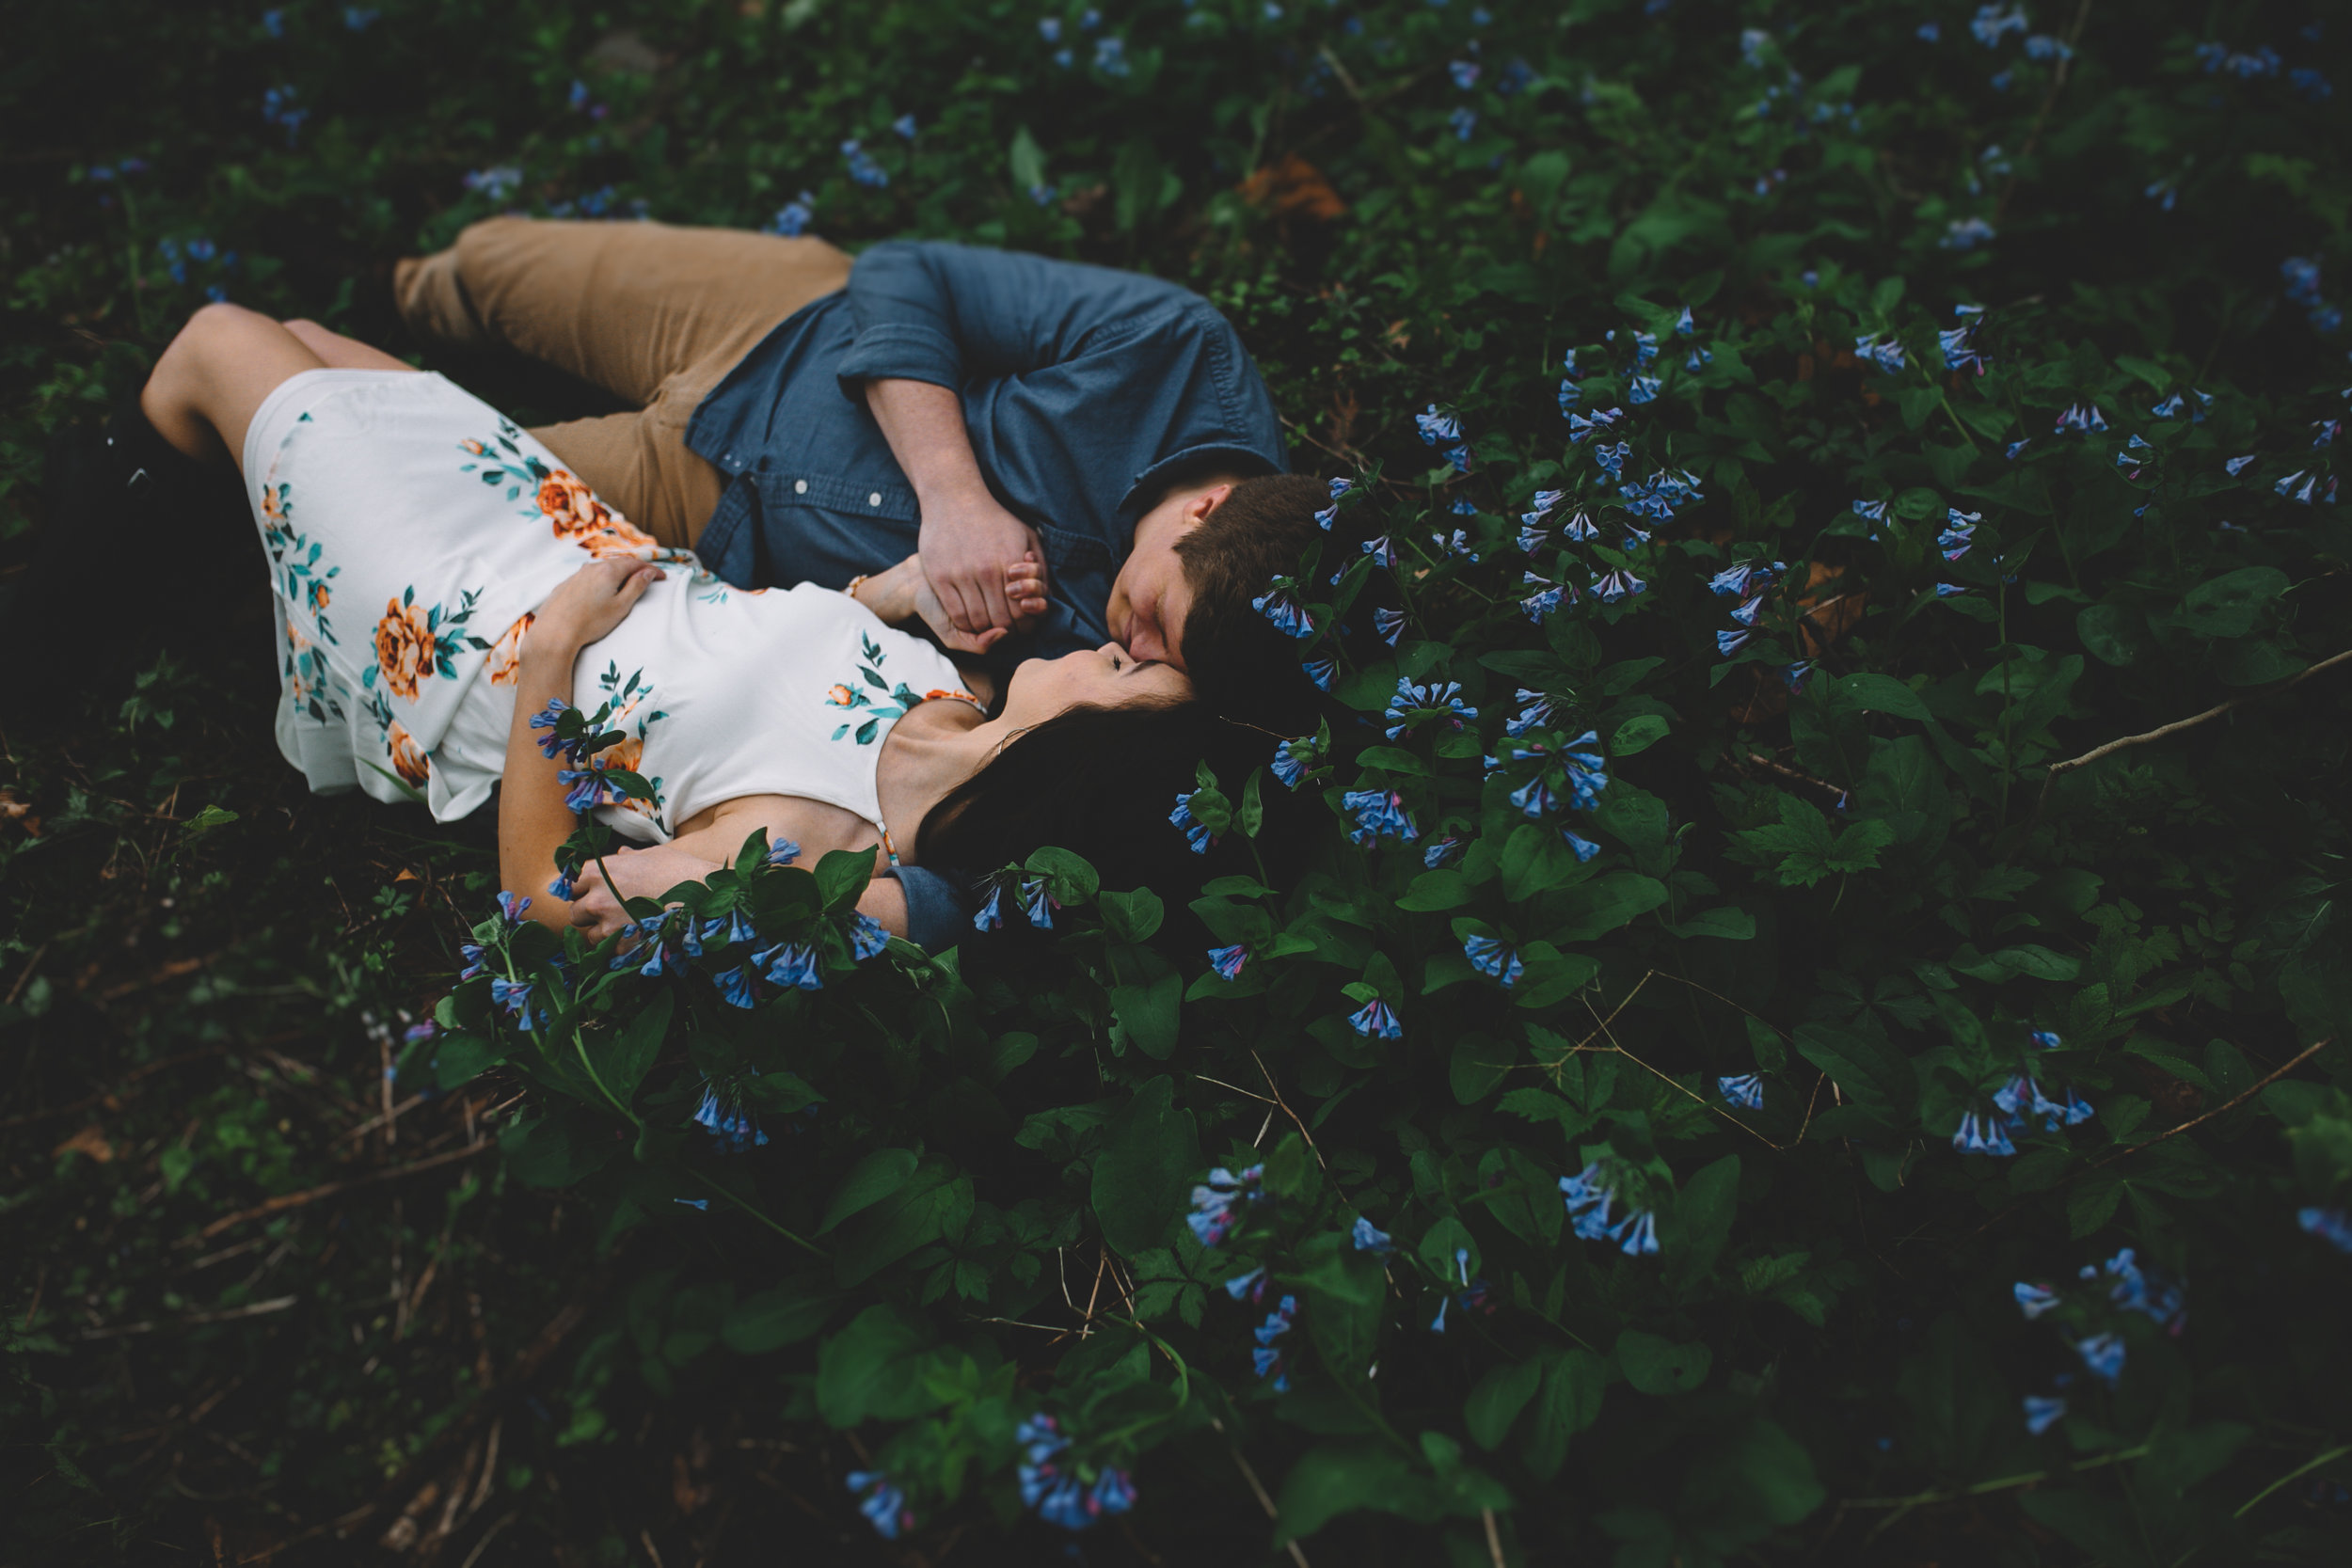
<point>1106,677</point>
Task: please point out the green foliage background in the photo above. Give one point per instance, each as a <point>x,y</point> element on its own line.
<point>1871,891</point>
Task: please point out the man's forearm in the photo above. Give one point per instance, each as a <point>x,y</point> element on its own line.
<point>924,425</point>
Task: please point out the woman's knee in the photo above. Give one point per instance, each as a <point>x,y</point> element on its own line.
<point>212,331</point>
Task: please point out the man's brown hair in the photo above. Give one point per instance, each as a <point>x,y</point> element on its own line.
<point>1239,664</point>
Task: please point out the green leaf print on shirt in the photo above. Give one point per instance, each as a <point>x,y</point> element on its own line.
<point>295,561</point>
<point>893,704</point>
<point>413,646</point>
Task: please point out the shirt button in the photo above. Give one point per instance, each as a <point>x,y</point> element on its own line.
<point>874,499</point>
<point>800,487</point>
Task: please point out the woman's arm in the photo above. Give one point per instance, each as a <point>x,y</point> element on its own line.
<point>534,819</point>
<point>902,593</point>
<point>651,872</point>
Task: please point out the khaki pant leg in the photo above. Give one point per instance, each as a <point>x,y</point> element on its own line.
<point>639,465</point>
<point>624,305</point>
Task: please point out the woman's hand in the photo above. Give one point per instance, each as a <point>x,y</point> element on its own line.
<point>591,603</point>
<point>647,873</point>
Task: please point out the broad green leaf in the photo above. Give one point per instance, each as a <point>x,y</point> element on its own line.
<point>778,1316</point>
<point>1151,1159</point>
<point>871,1180</point>
<point>873,1369</point>
<point>1638,734</point>
<point>1497,1400</point>
<point>1656,1365</point>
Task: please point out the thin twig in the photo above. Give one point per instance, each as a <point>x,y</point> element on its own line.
<point>1494,1538</point>
<point>2231,1104</point>
<point>1285,1104</point>
<point>24,978</point>
<point>252,1309</point>
<point>2165,731</point>
<point>1787,772</point>
<point>1257,1487</point>
<point>294,1200</point>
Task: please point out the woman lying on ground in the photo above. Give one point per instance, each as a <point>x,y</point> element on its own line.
<point>440,581</point>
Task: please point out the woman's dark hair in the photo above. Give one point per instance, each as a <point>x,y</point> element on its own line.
<point>1100,782</point>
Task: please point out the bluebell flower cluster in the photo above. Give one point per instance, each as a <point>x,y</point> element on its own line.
<point>515,999</point>
<point>1581,427</point>
<point>1983,1133</point>
<point>1958,344</point>
<point>1219,1203</point>
<point>1269,1359</point>
<point>1412,703</point>
<point>1378,813</point>
<point>1443,432</point>
<point>1494,957</point>
<point>280,107</point>
<point>1389,624</point>
<point>2311,84</point>
<point>2304,488</point>
<point>1059,1492</point>
<point>1880,350</point>
<point>2103,1353</point>
<point>1110,56</point>
<point>2302,288</point>
<point>2245,63</point>
<point>1228,961</point>
<point>1195,831</point>
<point>1376,1021</point>
<point>2042,1412</point>
<point>1287,617</point>
<point>884,1505</point>
<point>793,219</point>
<point>1442,851</point>
<point>1537,711</point>
<point>1612,459</point>
<point>1590,1195</point>
<point>495,184</point>
<point>1369,1237</point>
<point>791,965</point>
<point>2132,1287</point>
<point>1745,1091</point>
<point>1744,579</point>
<point>735,1128</point>
<point>2331,1226</point>
<point>1658,495</point>
<point>1462,121</point>
<point>1959,532</point>
<point>2080,416</point>
<point>1992,23</point>
<point>1475,1295</point>
<point>1967,234</point>
<point>863,169</point>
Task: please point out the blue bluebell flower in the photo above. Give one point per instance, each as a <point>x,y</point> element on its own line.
<point>1464,74</point>
<point>1588,1196</point>
<point>1958,349</point>
<point>1793,676</point>
<point>884,1505</point>
<point>735,986</point>
<point>863,169</point>
<point>1250,1286</point>
<point>1883,352</point>
<point>1369,1237</point>
<point>2311,84</point>
<point>723,1116</point>
<point>495,184</point>
<point>1217,1203</point>
<point>1411,700</point>
<point>1195,831</point>
<point>2081,416</point>
<point>1383,552</point>
<point>1320,671</point>
<point>992,915</point>
<point>1535,798</point>
<point>1390,624</point>
<point>274,22</point>
<point>2136,1288</point>
<point>700,1205</point>
<point>1612,459</point>
<point>1739,580</point>
<point>1329,514</point>
<point>792,965</point>
<point>1637,1233</point>
<point>1586,769</point>
<point>1580,427</point>
<point>1644,345</point>
<point>1960,531</point>
<point>1268,1359</point>
<point>2042,1412</point>
<point>1227,961</point>
<point>512,909</point>
<point>562,889</point>
<point>1618,585</point>
<point>1749,612</point>
<point>1287,617</point>
<point>1745,1091</point>
<point>1038,903</point>
<point>1930,32</point>
<point>2047,1039</point>
<point>1492,956</point>
<point>1992,23</point>
<point>1967,234</point>
<point>1049,28</point>
<point>1684,326</point>
<point>513,998</point>
<point>471,953</point>
<point>2011,450</point>
<point>905,126</point>
<point>2103,1355</point>
<point>1570,395</point>
<point>2331,1226</point>
<point>2034,1300</point>
<point>1378,812</point>
<point>1463,122</point>
<point>1110,56</point>
<point>1873,511</point>
<point>1949,589</point>
<point>1643,389</point>
<point>2238,465</point>
<point>359,19</point>
<point>1700,358</point>
<point>1374,1020</point>
<point>868,939</point>
<point>1983,1133</point>
<point>1730,642</point>
<point>2045,47</point>
<point>793,219</point>
<point>2327,430</point>
<point>1458,545</point>
<point>1537,710</point>
<point>1442,852</point>
<point>1545,602</point>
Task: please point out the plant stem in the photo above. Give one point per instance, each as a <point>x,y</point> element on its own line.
<point>723,1191</point>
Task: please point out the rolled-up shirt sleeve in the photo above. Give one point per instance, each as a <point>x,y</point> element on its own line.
<point>939,906</point>
<point>948,314</point>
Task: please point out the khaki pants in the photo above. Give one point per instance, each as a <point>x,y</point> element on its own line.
<point>652,314</point>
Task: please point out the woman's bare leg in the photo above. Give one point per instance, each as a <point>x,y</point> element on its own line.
<point>339,353</point>
<point>215,375</point>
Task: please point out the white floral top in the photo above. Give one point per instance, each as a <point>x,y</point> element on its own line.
<point>412,531</point>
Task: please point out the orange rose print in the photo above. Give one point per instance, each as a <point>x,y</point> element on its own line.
<point>320,594</point>
<point>506,653</point>
<point>840,696</point>
<point>624,756</point>
<point>576,514</point>
<point>403,648</point>
<point>409,758</point>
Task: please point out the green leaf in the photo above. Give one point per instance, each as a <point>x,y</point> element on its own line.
<point>1132,916</point>
<point>1655,1365</point>
<point>1497,1400</point>
<point>566,1146</point>
<point>1638,734</point>
<point>458,1059</point>
<point>1147,1010</point>
<point>1801,848</point>
<point>1569,1403</point>
<point>778,1316</point>
<point>1344,1288</point>
<point>206,820</point>
<point>1442,889</point>
<point>2115,634</point>
<point>925,1208</point>
<point>1069,877</point>
<point>1703,1215</point>
<point>2227,605</point>
<point>1344,1475</point>
<point>873,1369</point>
<point>1151,1158</point>
<point>1873,1078</point>
<point>842,875</point>
<point>1883,694</point>
<point>624,1056</point>
<point>870,1181</point>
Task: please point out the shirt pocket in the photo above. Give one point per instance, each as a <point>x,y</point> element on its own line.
<point>1067,552</point>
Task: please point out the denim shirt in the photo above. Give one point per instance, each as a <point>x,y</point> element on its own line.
<point>1086,393</point>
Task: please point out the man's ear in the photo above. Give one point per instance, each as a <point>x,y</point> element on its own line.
<point>1196,510</point>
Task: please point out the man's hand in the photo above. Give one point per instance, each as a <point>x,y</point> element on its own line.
<point>647,873</point>
<point>968,550</point>
<point>903,593</point>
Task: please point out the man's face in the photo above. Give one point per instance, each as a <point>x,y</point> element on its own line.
<point>1152,597</point>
